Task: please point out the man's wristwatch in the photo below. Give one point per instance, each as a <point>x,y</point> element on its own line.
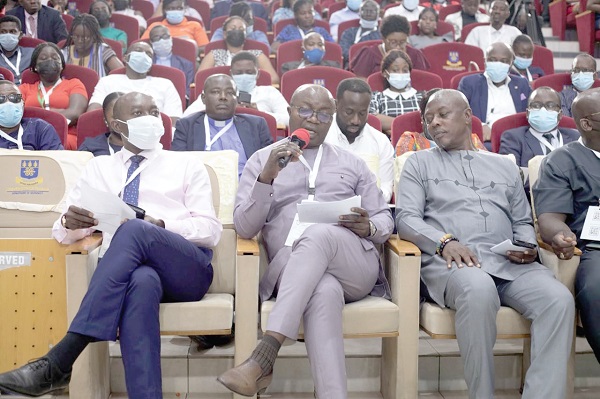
<point>63,221</point>
<point>372,228</point>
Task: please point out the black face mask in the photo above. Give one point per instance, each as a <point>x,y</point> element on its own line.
<point>49,69</point>
<point>120,5</point>
<point>102,17</point>
<point>235,38</point>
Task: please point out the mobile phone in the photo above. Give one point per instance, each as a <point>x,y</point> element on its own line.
<point>245,97</point>
<point>139,212</point>
<point>593,246</point>
<point>524,244</point>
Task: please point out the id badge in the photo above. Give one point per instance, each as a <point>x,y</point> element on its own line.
<point>591,226</point>
<point>296,230</point>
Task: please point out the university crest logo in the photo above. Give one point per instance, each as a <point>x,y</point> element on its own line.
<point>29,172</point>
<point>454,63</point>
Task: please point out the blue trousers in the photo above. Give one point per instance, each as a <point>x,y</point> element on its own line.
<point>587,297</point>
<point>144,266</point>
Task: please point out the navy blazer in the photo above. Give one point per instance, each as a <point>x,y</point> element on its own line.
<point>50,25</point>
<point>524,146</point>
<point>190,136</point>
<point>476,89</point>
<point>185,66</point>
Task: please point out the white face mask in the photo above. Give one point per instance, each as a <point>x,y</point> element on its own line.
<point>144,131</point>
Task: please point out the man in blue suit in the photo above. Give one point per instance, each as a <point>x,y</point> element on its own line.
<point>494,94</point>
<point>543,134</point>
<point>218,128</point>
<point>40,21</point>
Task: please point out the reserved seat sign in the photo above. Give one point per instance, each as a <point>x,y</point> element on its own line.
<point>14,259</point>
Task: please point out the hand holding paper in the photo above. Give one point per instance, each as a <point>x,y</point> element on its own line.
<point>107,208</point>
<point>326,212</point>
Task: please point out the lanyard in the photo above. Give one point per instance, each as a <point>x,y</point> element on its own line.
<point>312,176</point>
<point>18,141</point>
<point>360,33</point>
<point>143,165</point>
<point>301,32</point>
<point>208,143</point>
<point>15,68</point>
<point>548,145</point>
<point>110,149</point>
<point>47,94</point>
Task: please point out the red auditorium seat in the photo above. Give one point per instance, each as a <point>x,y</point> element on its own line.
<point>292,51</point>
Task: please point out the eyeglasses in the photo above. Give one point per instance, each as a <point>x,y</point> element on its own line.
<point>305,113</point>
<point>549,106</point>
<point>396,43</point>
<point>77,38</point>
<point>12,97</point>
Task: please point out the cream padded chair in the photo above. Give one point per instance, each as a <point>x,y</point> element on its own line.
<point>233,294</point>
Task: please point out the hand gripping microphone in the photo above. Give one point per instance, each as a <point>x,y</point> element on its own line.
<point>300,137</point>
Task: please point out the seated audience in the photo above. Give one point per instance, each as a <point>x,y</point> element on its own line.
<point>398,97</point>
<point>417,141</point>
<point>242,9</point>
<point>65,96</point>
<point>111,141</point>
<point>316,269</point>
<point>494,93</point>
<point>394,31</point>
<point>40,21</point>
<point>178,24</point>
<point>187,10</point>
<point>351,131</point>
<point>64,7</point>
<point>234,29</point>
<point>244,71</point>
<point>567,187</point>
<point>223,7</point>
<point>348,13</point>
<point>138,62</point>
<point>427,36</point>
<point>85,47</point>
<point>369,14</point>
<point>437,5</point>
<point>218,127</point>
<point>543,134</point>
<point>497,31</point>
<point>304,23</point>
<point>123,7</point>
<point>286,12</point>
<point>21,133</point>
<point>162,44</point>
<point>101,10</point>
<point>409,9</point>
<point>446,206</point>
<point>470,14</point>
<point>583,76</point>
<point>313,50</point>
<point>12,56</point>
<point>523,49</point>
<point>136,272</point>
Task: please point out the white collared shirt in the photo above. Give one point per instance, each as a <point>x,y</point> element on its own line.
<point>500,102</point>
<point>483,36</point>
<point>405,94</point>
<point>28,31</point>
<point>372,142</point>
<point>343,15</point>
<point>555,142</point>
<point>457,21</point>
<point>400,10</point>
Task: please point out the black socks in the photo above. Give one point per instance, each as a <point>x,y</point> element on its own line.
<point>64,354</point>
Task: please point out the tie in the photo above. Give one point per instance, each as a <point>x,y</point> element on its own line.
<point>548,137</point>
<point>32,26</point>
<point>132,190</point>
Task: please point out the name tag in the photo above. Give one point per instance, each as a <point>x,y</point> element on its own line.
<point>14,259</point>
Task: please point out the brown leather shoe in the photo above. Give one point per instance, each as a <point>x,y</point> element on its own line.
<point>246,379</point>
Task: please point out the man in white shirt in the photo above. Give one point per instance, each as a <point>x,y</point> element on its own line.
<point>469,14</point>
<point>410,9</point>
<point>483,36</point>
<point>244,71</point>
<point>162,258</point>
<point>138,62</point>
<point>351,132</point>
<point>347,13</point>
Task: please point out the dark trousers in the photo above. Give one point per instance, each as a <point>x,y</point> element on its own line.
<point>144,266</point>
<point>587,297</point>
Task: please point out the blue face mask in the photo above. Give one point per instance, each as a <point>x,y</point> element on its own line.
<point>399,81</point>
<point>368,25</point>
<point>543,120</point>
<point>8,41</point>
<point>523,63</point>
<point>249,29</point>
<point>314,56</point>
<point>11,114</point>
<point>163,47</point>
<point>353,5</point>
<point>245,82</point>
<point>497,71</point>
<point>175,17</point>
<point>139,62</point>
<point>582,80</point>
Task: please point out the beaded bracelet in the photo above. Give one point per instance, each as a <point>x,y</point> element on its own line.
<point>443,242</point>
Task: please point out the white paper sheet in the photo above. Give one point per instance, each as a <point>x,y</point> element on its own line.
<point>591,225</point>
<point>505,246</point>
<point>326,212</point>
<point>108,209</point>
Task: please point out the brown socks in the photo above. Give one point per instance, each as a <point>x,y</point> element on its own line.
<point>266,353</point>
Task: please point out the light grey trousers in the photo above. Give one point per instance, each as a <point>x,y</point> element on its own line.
<point>538,296</point>
<point>328,267</point>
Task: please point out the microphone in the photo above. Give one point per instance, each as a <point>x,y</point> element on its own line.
<point>300,137</point>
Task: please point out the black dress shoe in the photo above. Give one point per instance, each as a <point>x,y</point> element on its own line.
<point>34,379</point>
<point>205,342</point>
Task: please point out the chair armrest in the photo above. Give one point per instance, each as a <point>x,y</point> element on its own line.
<point>548,247</point>
<point>85,245</point>
<point>247,247</point>
<point>403,269</point>
<point>564,269</point>
<point>588,13</point>
<point>555,2</point>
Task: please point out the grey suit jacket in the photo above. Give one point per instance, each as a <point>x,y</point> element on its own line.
<point>50,25</point>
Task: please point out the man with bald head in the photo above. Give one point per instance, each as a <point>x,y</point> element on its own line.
<point>569,184</point>
<point>543,134</point>
<point>163,255</point>
<point>494,93</point>
<point>583,77</point>
<point>497,31</point>
<point>455,203</point>
<point>470,14</point>
<point>312,269</point>
<point>138,62</point>
<point>218,127</point>
<point>313,50</point>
